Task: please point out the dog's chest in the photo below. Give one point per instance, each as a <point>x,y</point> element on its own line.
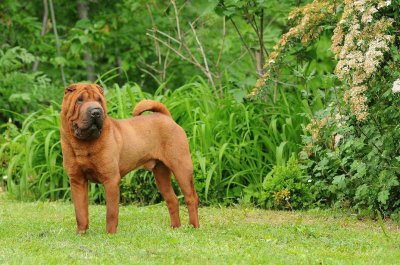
<point>90,174</point>
<point>87,165</point>
<point>83,158</point>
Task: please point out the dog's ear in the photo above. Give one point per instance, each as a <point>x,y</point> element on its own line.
<point>101,89</point>
<point>70,88</point>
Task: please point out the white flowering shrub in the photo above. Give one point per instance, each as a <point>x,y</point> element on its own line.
<point>360,43</point>
<point>351,149</point>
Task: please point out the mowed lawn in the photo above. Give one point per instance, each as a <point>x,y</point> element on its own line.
<point>44,233</point>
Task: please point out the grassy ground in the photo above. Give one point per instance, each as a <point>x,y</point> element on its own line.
<point>44,233</point>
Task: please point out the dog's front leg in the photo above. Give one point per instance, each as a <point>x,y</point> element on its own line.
<point>79,190</point>
<point>112,203</point>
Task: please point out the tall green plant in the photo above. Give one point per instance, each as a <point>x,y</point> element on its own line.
<point>32,156</point>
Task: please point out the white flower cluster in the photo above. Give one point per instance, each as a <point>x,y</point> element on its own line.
<point>374,54</point>
<point>384,4</point>
<point>360,42</point>
<point>396,86</point>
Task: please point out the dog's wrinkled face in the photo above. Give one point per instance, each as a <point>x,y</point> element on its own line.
<point>84,108</point>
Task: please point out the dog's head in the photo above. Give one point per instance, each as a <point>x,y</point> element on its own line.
<point>84,110</point>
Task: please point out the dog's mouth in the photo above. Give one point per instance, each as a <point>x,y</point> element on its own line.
<point>90,131</point>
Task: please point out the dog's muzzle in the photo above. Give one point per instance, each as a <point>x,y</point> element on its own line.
<point>91,126</point>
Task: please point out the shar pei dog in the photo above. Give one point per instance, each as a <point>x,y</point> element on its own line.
<point>100,149</point>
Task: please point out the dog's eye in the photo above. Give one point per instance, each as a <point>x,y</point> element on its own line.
<point>79,100</point>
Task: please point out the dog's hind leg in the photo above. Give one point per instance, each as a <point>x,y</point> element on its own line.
<point>163,180</point>
<point>183,172</point>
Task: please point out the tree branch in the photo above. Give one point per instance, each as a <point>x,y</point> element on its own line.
<point>243,41</point>
<point>177,52</point>
<point>83,10</point>
<point>53,19</point>
<point>178,28</point>
<point>153,24</point>
<point>42,32</point>
<point>208,74</point>
<point>222,44</point>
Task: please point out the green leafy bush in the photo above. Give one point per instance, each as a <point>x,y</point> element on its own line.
<point>20,90</point>
<point>351,148</point>
<point>286,187</point>
<point>356,165</point>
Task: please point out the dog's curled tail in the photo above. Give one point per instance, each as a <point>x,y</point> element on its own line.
<point>150,105</point>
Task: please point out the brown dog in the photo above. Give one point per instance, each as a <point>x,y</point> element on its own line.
<point>101,149</point>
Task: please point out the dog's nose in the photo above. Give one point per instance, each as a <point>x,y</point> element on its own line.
<point>95,113</point>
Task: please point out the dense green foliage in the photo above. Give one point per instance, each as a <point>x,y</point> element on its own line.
<point>120,34</point>
<point>351,151</point>
<point>319,129</point>
<point>21,92</point>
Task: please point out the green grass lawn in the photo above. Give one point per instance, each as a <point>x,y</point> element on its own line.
<point>44,233</point>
